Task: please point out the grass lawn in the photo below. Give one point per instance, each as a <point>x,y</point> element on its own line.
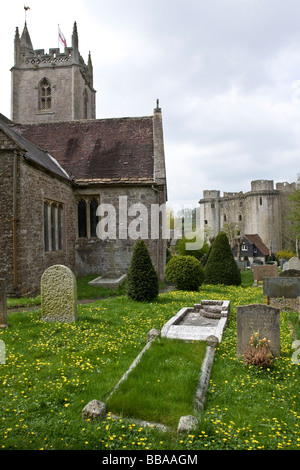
<point>53,370</point>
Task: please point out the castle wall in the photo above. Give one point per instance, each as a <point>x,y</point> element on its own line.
<point>260,211</point>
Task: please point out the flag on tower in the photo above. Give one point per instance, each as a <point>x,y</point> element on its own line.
<point>61,37</point>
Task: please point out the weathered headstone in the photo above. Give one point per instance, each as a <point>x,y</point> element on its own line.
<point>265,270</point>
<point>288,287</point>
<point>59,295</point>
<point>3,306</point>
<point>294,263</point>
<point>260,318</point>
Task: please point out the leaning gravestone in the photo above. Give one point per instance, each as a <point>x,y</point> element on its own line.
<point>59,295</point>
<point>258,318</point>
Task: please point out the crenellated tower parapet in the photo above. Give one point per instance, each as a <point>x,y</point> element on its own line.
<point>70,82</point>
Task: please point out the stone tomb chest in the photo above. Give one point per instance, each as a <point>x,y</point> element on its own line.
<point>199,322</point>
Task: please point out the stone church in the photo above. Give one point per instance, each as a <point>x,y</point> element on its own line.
<point>58,164</point>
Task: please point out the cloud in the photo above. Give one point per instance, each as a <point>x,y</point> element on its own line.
<point>226,73</point>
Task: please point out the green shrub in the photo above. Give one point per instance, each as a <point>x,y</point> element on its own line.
<point>221,267</point>
<point>186,272</point>
<point>182,251</point>
<point>142,280</point>
<point>285,254</point>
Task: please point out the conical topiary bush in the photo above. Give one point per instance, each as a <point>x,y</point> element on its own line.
<point>142,280</point>
<point>221,267</point>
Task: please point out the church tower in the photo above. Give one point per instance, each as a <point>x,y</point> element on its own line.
<point>52,87</point>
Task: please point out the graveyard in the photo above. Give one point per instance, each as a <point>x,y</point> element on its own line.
<point>53,369</point>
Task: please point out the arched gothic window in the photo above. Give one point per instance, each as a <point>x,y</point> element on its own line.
<point>45,95</point>
<point>53,226</point>
<point>82,225</point>
<point>87,218</point>
<point>93,217</point>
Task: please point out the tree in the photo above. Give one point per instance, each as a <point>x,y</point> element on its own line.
<point>142,280</point>
<point>221,267</point>
<point>182,251</point>
<point>294,216</point>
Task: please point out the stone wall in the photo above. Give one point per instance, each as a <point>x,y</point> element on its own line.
<point>34,186</point>
<point>6,211</point>
<point>91,257</point>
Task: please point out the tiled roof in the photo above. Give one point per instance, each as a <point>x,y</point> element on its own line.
<point>257,241</point>
<point>33,153</point>
<point>102,149</point>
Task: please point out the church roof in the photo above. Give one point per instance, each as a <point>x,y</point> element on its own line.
<point>33,153</point>
<point>107,150</point>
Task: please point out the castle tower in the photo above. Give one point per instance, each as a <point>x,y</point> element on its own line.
<point>57,86</point>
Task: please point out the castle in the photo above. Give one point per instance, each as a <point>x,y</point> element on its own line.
<point>58,164</point>
<point>261,211</point>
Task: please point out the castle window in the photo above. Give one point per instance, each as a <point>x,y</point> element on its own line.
<point>45,95</point>
<point>87,217</point>
<point>240,217</point>
<point>225,218</point>
<point>53,226</point>
<point>260,201</point>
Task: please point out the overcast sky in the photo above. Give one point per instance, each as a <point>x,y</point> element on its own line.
<point>226,72</point>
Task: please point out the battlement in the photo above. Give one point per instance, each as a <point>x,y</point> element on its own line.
<point>59,82</point>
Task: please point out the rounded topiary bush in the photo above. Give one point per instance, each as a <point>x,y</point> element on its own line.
<point>142,280</point>
<point>186,272</point>
<point>221,267</point>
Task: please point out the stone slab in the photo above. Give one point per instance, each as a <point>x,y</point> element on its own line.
<point>108,283</point>
<point>189,324</point>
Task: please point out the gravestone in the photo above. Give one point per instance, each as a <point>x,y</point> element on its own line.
<point>3,306</point>
<point>258,318</point>
<point>288,287</point>
<point>112,278</point>
<point>265,270</point>
<point>294,263</point>
<point>59,295</point>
